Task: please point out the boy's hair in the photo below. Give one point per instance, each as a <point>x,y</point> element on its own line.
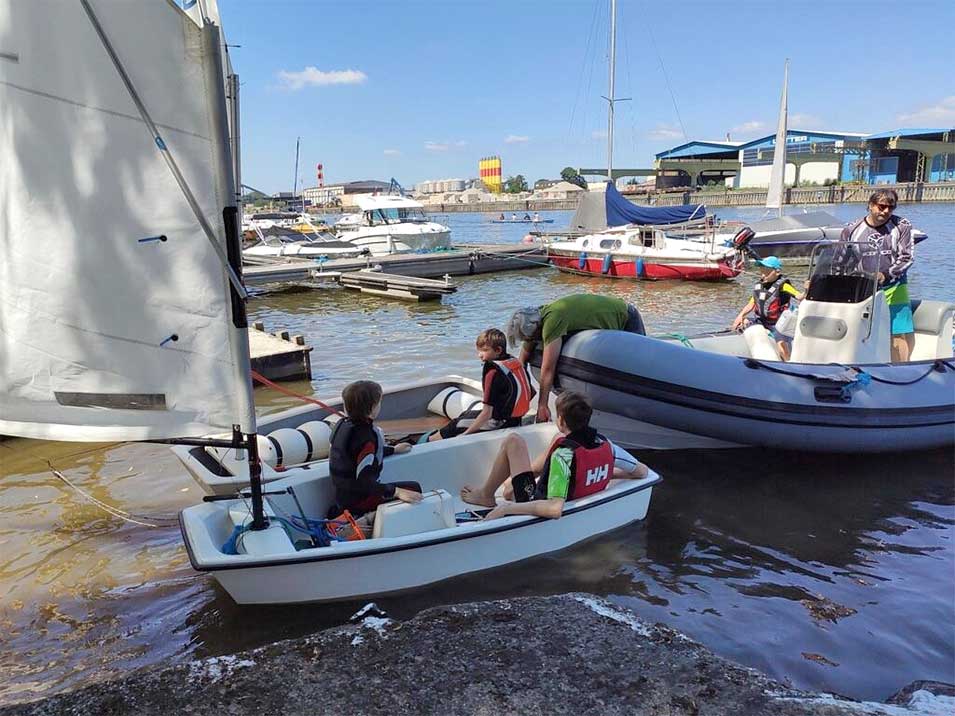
<point>575,410</point>
<point>360,398</point>
<point>492,338</point>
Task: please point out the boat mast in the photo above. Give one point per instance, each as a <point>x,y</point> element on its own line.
<point>613,64</point>
<point>295,180</point>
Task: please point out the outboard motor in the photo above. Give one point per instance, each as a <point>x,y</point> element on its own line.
<point>741,241</point>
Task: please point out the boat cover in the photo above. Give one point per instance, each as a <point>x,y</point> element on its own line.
<point>599,210</point>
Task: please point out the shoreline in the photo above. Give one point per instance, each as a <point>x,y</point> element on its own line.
<point>574,653</point>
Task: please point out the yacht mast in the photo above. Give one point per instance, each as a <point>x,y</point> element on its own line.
<point>613,63</point>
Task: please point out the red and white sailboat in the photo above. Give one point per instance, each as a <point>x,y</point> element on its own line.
<point>610,236</point>
<point>642,242</point>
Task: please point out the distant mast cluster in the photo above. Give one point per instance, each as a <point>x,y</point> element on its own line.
<point>489,169</point>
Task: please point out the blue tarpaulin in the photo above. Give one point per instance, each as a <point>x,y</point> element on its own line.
<point>621,211</point>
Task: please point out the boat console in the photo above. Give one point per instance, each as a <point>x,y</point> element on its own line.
<point>844,318</point>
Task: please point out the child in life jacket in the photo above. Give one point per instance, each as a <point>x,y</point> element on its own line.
<point>771,296</point>
<point>507,390</point>
<point>357,455</point>
<point>579,462</point>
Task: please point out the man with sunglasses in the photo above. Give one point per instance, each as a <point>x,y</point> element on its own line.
<point>885,241</point>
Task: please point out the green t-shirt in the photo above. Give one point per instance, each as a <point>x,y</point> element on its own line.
<point>581,312</point>
<point>558,477</point>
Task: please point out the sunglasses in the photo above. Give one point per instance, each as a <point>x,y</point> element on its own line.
<point>885,207</point>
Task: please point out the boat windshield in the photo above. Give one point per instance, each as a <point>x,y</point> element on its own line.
<point>842,272</point>
<point>396,215</point>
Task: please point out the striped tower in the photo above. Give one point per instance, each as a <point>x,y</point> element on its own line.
<point>489,169</point>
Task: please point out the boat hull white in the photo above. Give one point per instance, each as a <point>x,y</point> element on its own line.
<point>349,570</point>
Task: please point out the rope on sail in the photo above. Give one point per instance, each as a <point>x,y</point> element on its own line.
<point>166,154</point>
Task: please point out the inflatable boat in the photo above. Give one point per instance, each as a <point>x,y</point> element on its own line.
<point>839,393</point>
<point>410,545</point>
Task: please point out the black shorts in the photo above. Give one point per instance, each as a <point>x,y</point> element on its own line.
<point>524,486</point>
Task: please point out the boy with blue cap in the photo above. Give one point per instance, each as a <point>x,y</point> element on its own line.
<point>771,296</point>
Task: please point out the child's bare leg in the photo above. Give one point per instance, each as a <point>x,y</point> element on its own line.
<point>512,459</point>
<point>783,347</point>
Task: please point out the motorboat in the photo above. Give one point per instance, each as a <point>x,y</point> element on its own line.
<point>636,242</point>
<point>790,237</point>
<point>281,242</point>
<point>838,393</point>
<point>389,224</point>
<point>293,560</point>
<point>300,435</point>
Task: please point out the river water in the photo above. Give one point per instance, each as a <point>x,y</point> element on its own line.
<point>834,574</point>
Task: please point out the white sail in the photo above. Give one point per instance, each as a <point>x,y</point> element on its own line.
<point>777,180</point>
<point>115,318</point>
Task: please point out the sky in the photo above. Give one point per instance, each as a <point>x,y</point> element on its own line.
<point>420,90</point>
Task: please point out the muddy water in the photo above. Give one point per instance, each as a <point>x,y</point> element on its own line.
<point>836,574</point>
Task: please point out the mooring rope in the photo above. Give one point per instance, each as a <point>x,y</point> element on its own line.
<point>109,509</point>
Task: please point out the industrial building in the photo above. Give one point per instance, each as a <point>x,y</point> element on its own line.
<point>439,186</point>
<point>814,156</point>
<point>343,194</point>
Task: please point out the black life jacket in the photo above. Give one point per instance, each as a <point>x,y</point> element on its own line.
<point>770,301</point>
<point>591,468</point>
<point>342,466</point>
<point>519,391</point>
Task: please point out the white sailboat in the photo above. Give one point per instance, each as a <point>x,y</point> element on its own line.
<point>122,312</point>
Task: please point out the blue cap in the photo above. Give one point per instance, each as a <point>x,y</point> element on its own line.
<point>771,262</point>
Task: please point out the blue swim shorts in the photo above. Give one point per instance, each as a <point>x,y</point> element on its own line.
<point>900,309</point>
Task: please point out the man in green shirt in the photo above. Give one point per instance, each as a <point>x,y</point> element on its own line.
<point>550,323</point>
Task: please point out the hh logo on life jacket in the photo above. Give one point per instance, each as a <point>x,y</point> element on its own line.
<point>597,474</point>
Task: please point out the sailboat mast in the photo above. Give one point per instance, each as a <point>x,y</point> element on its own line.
<point>295,180</point>
<point>613,65</point>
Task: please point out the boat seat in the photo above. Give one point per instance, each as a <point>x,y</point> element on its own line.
<point>933,329</point>
<point>760,343</point>
<point>397,519</point>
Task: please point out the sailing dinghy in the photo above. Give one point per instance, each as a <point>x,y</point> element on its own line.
<point>122,307</point>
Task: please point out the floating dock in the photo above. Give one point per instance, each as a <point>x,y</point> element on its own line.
<point>408,288</point>
<point>465,260</point>
<point>279,356</point>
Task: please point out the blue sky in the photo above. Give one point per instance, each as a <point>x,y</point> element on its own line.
<point>421,90</point>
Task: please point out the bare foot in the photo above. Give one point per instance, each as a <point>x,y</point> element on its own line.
<point>476,497</point>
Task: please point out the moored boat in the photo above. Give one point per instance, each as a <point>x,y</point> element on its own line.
<point>391,224</point>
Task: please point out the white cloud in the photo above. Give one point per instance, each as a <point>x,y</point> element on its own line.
<point>516,139</point>
<point>665,132</point>
<point>804,121</point>
<point>941,114</point>
<point>392,152</point>
<point>754,126</point>
<point>314,77</point>
<point>599,134</point>
<point>443,146</point>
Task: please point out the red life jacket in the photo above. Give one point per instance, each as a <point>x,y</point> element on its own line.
<point>770,301</point>
<point>519,391</point>
<point>591,469</point>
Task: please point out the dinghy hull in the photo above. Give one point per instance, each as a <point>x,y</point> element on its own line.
<point>270,570</point>
<point>756,402</point>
